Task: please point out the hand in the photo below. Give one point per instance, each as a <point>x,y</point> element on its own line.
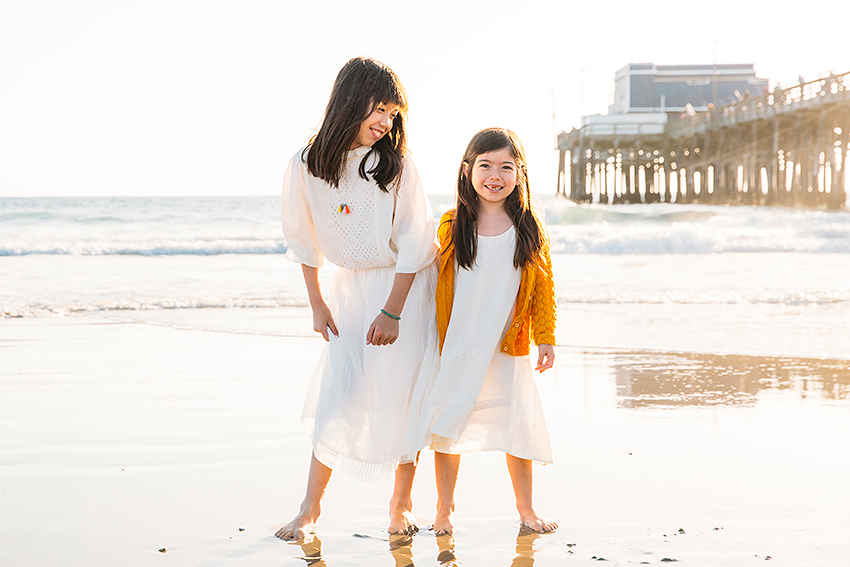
<point>323,321</point>
<point>545,357</point>
<point>382,331</point>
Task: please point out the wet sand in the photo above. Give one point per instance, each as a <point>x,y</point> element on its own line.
<point>120,439</point>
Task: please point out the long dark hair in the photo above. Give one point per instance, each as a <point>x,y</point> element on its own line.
<point>361,85</point>
<point>526,221</point>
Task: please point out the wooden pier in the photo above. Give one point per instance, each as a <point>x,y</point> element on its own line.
<point>786,147</point>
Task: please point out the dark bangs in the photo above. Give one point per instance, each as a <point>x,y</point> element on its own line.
<point>518,204</point>
<point>361,85</point>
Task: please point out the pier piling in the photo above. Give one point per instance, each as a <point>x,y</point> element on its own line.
<point>787,147</point>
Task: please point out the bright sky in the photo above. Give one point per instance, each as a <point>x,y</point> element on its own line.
<point>209,97</point>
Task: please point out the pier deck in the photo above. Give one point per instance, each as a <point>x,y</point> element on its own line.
<point>785,147</point>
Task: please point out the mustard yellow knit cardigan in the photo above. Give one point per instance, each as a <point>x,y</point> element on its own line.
<point>535,306</point>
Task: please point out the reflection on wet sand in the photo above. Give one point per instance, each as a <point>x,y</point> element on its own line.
<point>651,379</point>
<point>401,547</point>
<point>525,547</point>
<point>311,546</point>
<point>446,556</point>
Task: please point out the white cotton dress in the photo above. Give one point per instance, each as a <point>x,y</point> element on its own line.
<point>359,396</point>
<point>483,399</point>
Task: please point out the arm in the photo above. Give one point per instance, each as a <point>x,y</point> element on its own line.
<point>545,309</point>
<point>545,357</point>
<point>322,318</point>
<point>298,227</point>
<point>543,300</point>
<point>384,329</point>
<point>413,233</point>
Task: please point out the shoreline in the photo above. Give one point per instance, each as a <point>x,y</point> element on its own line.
<point>120,439</point>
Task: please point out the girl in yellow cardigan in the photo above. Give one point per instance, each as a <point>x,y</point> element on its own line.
<point>495,292</point>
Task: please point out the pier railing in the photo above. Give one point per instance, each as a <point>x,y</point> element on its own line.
<point>786,147</point>
<point>833,89</point>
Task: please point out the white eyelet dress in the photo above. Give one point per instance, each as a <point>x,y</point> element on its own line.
<point>359,396</point>
<point>483,399</point>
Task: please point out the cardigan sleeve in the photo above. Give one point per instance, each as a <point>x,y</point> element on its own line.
<point>444,294</point>
<point>444,231</point>
<point>543,300</point>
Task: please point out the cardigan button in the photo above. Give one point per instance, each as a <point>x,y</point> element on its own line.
<point>505,349</point>
<point>516,324</point>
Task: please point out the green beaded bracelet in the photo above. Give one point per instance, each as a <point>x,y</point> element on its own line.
<point>390,316</point>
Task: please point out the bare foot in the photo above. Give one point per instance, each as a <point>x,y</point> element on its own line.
<point>537,523</point>
<point>300,526</point>
<point>402,522</point>
<point>443,524</point>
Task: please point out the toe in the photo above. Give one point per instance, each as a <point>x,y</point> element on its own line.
<point>549,527</point>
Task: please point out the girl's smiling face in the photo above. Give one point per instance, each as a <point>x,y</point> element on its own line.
<point>376,125</point>
<point>493,175</point>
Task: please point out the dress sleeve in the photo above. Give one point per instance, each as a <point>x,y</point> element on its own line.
<point>298,226</point>
<point>543,300</point>
<point>414,235</point>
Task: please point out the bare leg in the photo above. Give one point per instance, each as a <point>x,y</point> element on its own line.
<point>446,467</point>
<point>311,507</point>
<point>521,478</point>
<point>402,520</point>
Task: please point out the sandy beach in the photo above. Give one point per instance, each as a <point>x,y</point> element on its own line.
<point>155,337</point>
<point>161,444</point>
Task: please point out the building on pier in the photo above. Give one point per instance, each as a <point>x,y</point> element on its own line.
<point>677,89</point>
<point>664,139</point>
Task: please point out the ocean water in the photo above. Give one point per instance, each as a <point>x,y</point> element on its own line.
<point>702,383</point>
<point>669,277</point>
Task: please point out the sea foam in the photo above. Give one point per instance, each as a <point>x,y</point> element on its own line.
<point>209,227</point>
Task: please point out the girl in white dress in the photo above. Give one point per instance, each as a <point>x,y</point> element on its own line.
<point>495,292</point>
<point>353,196</point>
